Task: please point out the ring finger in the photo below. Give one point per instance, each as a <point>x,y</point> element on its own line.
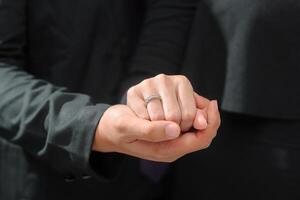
<point>154,106</point>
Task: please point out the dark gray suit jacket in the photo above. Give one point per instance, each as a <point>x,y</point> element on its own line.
<point>248,53</point>
<point>60,62</point>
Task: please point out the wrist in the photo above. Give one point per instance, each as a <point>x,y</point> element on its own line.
<point>101,142</point>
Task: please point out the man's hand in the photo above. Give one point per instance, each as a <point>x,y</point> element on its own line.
<point>121,130</point>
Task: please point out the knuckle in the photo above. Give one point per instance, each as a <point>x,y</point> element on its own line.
<point>131,91</point>
<point>182,78</point>
<point>146,83</point>
<point>143,115</point>
<point>130,95</point>
<point>162,78</point>
<point>188,116</point>
<point>119,124</point>
<point>173,116</point>
<point>157,116</point>
<point>147,131</point>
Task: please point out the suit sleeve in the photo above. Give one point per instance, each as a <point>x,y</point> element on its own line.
<point>163,39</point>
<point>48,122</point>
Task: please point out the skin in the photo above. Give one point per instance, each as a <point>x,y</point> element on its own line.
<point>182,122</point>
<point>177,104</point>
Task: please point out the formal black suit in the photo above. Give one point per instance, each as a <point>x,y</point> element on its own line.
<point>247,55</point>
<point>60,61</point>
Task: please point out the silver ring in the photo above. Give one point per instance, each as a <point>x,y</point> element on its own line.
<point>151,98</point>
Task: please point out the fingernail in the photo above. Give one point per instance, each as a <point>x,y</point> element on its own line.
<point>172,131</point>
<point>215,105</point>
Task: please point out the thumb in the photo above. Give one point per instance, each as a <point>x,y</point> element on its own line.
<point>152,131</point>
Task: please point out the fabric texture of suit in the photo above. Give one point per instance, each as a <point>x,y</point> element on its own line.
<point>257,43</point>
<point>58,61</point>
<point>245,54</point>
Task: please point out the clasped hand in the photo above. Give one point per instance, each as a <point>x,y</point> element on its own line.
<point>177,122</point>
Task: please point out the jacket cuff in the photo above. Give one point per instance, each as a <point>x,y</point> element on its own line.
<point>101,166</point>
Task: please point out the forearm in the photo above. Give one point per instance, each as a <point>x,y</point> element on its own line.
<point>47,121</point>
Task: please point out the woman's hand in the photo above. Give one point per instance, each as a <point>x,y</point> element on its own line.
<point>169,98</point>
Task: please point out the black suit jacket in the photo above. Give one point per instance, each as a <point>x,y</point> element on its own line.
<point>247,52</point>
<point>60,61</point>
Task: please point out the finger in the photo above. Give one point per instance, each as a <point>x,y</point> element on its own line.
<point>201,102</point>
<point>169,100</point>
<point>204,138</point>
<point>200,122</point>
<point>154,107</point>
<point>155,110</point>
<point>191,142</point>
<point>137,104</point>
<point>186,99</point>
<point>156,131</point>
<point>213,115</point>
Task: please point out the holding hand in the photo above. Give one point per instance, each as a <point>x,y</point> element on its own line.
<point>169,98</point>
<point>152,130</point>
